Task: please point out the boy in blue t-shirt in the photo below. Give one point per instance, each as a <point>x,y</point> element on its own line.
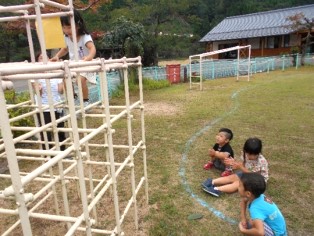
<point>266,218</point>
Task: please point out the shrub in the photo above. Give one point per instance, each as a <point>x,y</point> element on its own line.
<point>13,98</point>
<point>149,84</point>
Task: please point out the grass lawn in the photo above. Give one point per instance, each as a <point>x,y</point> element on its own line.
<point>181,125</point>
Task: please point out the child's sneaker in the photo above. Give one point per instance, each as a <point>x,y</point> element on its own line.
<point>86,103</point>
<point>226,173</point>
<point>207,183</point>
<point>208,165</point>
<point>211,190</point>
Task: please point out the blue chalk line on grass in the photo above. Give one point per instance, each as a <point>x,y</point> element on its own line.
<point>188,144</point>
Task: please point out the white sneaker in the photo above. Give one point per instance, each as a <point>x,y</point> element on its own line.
<point>86,104</point>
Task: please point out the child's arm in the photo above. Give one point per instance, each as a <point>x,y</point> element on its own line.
<point>92,51</point>
<point>61,87</point>
<point>62,52</point>
<point>257,228</point>
<point>36,84</point>
<point>243,205</point>
<point>239,165</point>
<point>219,155</point>
<point>234,163</point>
<point>211,152</point>
<point>243,169</point>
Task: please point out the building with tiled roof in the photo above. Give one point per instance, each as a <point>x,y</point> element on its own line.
<point>267,32</point>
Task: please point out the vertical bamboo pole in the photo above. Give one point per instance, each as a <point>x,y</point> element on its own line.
<point>249,64</point>
<point>111,158</point>
<point>130,142</point>
<point>105,97</point>
<point>201,73</point>
<point>238,63</point>
<point>13,166</point>
<point>41,37</point>
<point>190,72</point>
<point>143,130</point>
<point>213,69</point>
<point>80,169</point>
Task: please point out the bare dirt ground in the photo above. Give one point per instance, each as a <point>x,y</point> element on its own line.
<point>160,108</point>
<point>3,166</point>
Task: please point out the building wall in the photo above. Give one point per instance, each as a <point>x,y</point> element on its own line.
<point>260,46</point>
<point>254,42</point>
<point>294,40</point>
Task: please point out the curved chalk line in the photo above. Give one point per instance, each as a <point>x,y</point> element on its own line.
<point>182,171</point>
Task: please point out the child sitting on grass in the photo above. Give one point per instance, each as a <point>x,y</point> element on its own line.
<point>221,151</point>
<point>253,161</point>
<point>265,217</point>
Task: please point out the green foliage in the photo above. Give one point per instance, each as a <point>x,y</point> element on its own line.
<point>149,84</point>
<point>168,24</point>
<point>177,48</point>
<point>135,26</point>
<point>127,35</point>
<point>300,23</point>
<point>195,78</point>
<point>13,98</point>
<point>295,50</point>
<point>118,92</point>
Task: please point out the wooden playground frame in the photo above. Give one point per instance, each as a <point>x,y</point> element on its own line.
<point>52,172</point>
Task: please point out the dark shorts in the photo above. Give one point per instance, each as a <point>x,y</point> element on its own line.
<point>219,165</point>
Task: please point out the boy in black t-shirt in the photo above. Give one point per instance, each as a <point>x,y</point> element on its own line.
<point>220,151</point>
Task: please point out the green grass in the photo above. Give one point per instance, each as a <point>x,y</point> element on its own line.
<point>181,125</point>
<point>277,107</point>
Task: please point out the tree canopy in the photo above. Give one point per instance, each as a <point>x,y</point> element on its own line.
<point>304,26</point>
<point>169,29</point>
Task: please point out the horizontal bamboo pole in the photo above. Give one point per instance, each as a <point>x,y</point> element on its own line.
<point>133,198</point>
<point>16,8</point>
<point>32,17</point>
<point>55,4</point>
<point>9,191</point>
<point>24,68</point>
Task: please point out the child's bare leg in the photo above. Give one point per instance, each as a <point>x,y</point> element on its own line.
<point>84,88</point>
<point>225,180</point>
<point>229,188</point>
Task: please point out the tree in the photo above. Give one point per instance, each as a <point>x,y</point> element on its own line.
<point>303,26</point>
<point>127,35</point>
<point>160,16</point>
<point>13,33</point>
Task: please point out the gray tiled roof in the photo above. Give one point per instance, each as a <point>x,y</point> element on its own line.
<point>259,24</point>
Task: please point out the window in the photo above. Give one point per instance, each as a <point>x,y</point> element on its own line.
<point>270,42</point>
<point>227,55</point>
<point>286,41</point>
<point>273,42</point>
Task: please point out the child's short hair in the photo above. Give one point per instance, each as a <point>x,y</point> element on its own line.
<point>229,134</point>
<point>252,146</point>
<point>254,183</point>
